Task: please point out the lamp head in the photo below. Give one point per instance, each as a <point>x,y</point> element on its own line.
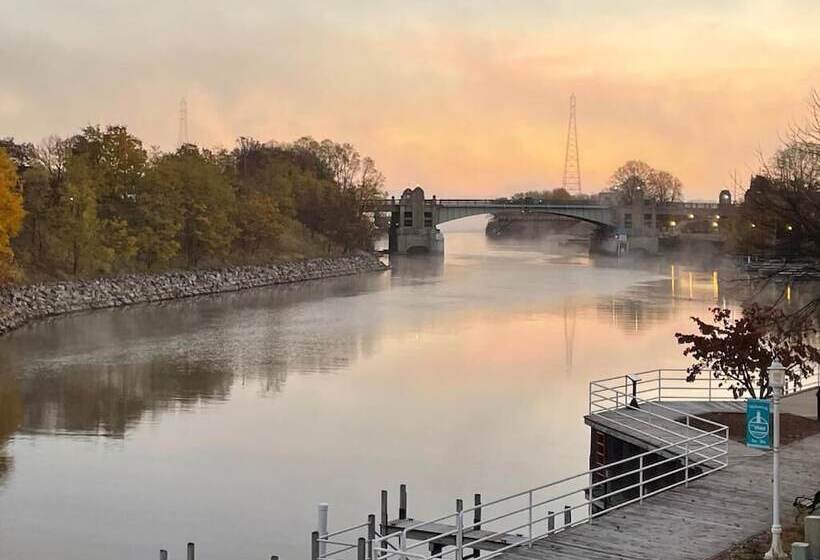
<point>777,375</point>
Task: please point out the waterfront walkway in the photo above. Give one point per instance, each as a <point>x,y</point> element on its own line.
<point>694,522</point>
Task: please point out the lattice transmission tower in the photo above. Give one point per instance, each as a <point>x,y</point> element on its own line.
<point>183,123</point>
<point>572,163</point>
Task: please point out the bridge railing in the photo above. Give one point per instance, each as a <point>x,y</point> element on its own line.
<point>684,453</point>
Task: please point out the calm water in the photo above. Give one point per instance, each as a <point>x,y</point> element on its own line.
<point>225,420</point>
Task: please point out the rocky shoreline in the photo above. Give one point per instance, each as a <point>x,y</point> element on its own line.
<point>21,304</point>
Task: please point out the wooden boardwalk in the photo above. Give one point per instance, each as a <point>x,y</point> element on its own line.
<point>694,522</point>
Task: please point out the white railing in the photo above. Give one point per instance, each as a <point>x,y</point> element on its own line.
<point>688,448</point>
<point>670,385</point>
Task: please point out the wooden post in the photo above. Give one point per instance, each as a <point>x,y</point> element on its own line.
<point>361,549</point>
<point>567,516</point>
<point>314,545</point>
<point>550,522</point>
<point>191,552</point>
<point>459,530</point>
<point>163,554</point>
<point>477,521</point>
<point>371,535</point>
<point>384,513</point>
<point>274,557</point>
<point>403,501</point>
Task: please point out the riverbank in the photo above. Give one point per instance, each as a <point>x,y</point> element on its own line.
<point>20,305</point>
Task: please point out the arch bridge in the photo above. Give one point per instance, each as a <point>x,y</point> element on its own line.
<point>414,219</point>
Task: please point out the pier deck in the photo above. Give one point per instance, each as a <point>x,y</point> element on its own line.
<point>694,522</point>
<point>664,483</point>
<point>645,426</point>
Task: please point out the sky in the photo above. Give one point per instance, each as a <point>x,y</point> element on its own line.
<point>465,98</point>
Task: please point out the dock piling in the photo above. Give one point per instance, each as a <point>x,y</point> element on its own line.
<point>371,535</point>
<point>477,521</point>
<point>567,516</point>
<point>163,554</point>
<point>384,519</point>
<point>314,545</point>
<point>403,501</point>
<point>191,551</point>
<point>323,507</point>
<point>459,529</point>
<point>361,549</point>
<point>550,522</point>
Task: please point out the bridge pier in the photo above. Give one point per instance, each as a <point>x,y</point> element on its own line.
<point>413,225</point>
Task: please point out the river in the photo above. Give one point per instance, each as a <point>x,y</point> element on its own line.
<point>224,420</point>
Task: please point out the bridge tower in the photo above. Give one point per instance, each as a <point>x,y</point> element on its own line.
<point>572,165</point>
<point>413,224</point>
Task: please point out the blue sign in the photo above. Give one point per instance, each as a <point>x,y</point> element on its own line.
<point>758,423</point>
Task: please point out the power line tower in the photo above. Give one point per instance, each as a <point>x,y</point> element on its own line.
<point>183,122</point>
<point>572,164</point>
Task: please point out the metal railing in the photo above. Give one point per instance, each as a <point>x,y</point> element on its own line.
<point>688,447</point>
<point>669,385</point>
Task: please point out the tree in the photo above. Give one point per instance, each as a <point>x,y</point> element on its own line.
<point>206,202</point>
<point>259,223</point>
<point>740,351</point>
<point>75,226</point>
<point>11,214</point>
<point>636,179</point>
<point>158,219</point>
<point>783,202</point>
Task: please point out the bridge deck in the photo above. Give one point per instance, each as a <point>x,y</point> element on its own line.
<point>694,522</point>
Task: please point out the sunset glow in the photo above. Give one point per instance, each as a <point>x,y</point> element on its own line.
<point>463,98</point>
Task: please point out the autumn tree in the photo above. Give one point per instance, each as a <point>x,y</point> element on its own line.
<point>11,215</point>
<point>206,202</point>
<point>98,202</point>
<point>740,351</point>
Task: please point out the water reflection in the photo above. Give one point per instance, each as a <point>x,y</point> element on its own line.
<point>268,401</point>
<point>11,417</point>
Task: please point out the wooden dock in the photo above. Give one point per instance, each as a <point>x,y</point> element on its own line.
<point>694,522</point>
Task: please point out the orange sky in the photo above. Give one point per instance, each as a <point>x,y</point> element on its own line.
<point>466,98</point>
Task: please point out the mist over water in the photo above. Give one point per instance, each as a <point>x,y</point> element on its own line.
<point>224,420</point>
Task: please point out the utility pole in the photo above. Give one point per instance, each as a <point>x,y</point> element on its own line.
<point>572,165</point>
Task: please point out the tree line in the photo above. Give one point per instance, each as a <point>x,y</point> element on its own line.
<point>100,202</point>
<point>781,209</point>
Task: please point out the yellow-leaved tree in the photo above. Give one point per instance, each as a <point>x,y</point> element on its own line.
<point>11,215</point>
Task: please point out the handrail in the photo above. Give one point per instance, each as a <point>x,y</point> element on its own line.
<point>681,452</point>
<point>689,447</point>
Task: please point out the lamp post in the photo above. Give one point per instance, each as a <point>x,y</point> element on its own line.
<point>777,378</point>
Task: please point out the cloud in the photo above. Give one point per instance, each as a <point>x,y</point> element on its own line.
<point>463,97</point>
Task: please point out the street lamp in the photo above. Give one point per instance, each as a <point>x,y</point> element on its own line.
<point>777,379</point>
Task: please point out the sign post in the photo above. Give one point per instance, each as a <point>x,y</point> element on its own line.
<point>777,378</point>
<point>758,429</point>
